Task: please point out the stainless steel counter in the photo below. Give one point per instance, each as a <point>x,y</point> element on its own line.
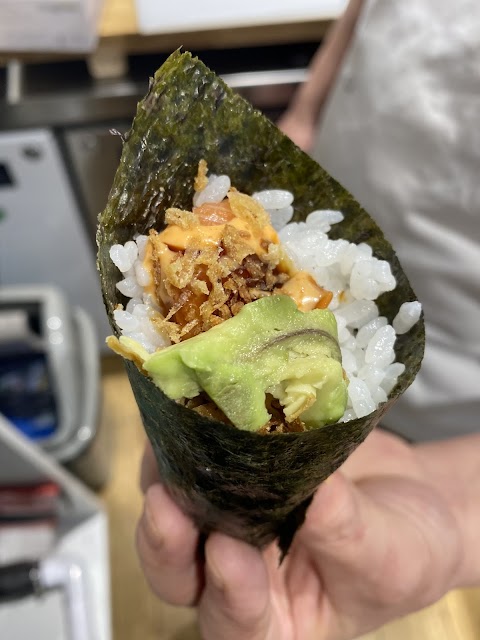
<point>64,94</point>
<point>110,101</point>
<point>82,111</point>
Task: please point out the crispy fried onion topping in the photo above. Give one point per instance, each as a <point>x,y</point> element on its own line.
<point>201,179</point>
<point>209,283</point>
<point>277,424</point>
<point>184,219</point>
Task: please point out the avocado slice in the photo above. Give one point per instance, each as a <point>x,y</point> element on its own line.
<point>269,347</point>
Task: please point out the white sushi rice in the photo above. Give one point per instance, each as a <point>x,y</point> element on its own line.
<point>278,204</point>
<point>215,191</point>
<point>357,279</point>
<point>135,321</point>
<point>350,271</point>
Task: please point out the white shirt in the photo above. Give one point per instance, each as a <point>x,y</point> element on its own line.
<point>401,131</point>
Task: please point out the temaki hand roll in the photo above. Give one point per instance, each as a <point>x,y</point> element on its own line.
<point>259,357</point>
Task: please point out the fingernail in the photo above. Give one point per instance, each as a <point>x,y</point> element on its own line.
<point>215,574</point>
<point>154,536</point>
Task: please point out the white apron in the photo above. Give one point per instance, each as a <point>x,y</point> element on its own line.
<point>401,131</point>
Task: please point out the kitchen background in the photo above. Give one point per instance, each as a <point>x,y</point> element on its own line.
<point>71,73</point>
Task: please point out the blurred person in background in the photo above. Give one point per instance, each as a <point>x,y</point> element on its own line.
<point>391,111</point>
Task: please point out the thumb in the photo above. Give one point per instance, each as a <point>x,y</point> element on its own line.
<point>346,539</point>
<point>383,542</point>
<point>338,523</point>
<point>346,532</point>
<point>235,601</point>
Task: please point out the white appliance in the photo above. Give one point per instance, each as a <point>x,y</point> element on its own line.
<point>74,602</point>
<point>49,378</point>
<point>43,239</point>
<point>190,15</point>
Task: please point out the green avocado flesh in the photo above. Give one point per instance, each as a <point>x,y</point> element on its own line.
<point>269,347</point>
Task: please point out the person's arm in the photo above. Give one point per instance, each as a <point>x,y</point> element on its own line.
<point>453,468</point>
<point>301,117</point>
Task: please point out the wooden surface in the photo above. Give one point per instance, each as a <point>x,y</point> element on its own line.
<point>119,18</point>
<point>137,614</point>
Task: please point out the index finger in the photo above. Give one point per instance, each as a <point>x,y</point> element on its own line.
<point>168,548</point>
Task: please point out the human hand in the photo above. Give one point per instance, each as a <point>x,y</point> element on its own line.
<point>378,542</point>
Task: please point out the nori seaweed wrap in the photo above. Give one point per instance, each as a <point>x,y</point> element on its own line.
<point>252,486</point>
